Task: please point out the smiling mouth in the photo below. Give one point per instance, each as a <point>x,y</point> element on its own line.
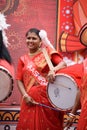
<point>30,44</point>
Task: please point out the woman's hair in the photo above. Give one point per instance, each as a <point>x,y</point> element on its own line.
<point>4,53</point>
<point>34,30</point>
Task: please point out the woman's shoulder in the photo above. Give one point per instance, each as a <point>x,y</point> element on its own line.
<point>53,51</point>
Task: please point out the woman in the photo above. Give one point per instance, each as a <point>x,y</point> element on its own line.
<point>4,54</point>
<point>5,58</point>
<point>80,103</point>
<point>82,124</point>
<point>33,74</point>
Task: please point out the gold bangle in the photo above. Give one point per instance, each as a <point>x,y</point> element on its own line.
<point>72,115</point>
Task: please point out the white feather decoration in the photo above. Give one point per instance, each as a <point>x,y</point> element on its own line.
<point>3,26</point>
<point>44,38</point>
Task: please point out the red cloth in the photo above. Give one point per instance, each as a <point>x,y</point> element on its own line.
<point>37,117</point>
<point>80,14</point>
<point>75,71</point>
<point>82,124</point>
<point>70,43</point>
<point>8,67</point>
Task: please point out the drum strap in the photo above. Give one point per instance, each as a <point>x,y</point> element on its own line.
<point>47,59</point>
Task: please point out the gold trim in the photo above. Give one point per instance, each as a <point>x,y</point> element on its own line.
<point>63,42</point>
<point>31,83</point>
<point>63,47</point>
<point>7,6</point>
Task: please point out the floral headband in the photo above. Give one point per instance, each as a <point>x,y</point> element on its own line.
<point>3,26</point>
<point>44,38</point>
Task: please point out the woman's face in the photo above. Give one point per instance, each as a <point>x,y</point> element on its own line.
<point>33,42</point>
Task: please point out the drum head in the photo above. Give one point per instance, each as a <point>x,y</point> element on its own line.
<point>62,92</point>
<point>6,84</point>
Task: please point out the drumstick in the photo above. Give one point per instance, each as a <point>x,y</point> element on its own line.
<point>40,104</point>
<point>50,63</point>
<point>62,85</point>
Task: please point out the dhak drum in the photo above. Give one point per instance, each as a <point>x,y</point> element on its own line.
<point>70,43</point>
<point>83,35</point>
<point>6,81</point>
<point>62,92</point>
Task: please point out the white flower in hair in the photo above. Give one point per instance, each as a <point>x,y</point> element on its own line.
<point>44,38</point>
<point>3,26</point>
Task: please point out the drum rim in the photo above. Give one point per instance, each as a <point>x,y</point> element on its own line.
<point>12,81</point>
<point>68,109</point>
<point>81,35</point>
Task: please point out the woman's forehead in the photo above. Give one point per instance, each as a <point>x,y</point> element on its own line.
<point>32,34</point>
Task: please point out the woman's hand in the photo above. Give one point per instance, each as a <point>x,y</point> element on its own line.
<point>51,76</point>
<point>70,121</point>
<point>29,100</point>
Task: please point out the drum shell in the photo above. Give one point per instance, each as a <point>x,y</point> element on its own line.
<point>6,80</point>
<point>70,43</point>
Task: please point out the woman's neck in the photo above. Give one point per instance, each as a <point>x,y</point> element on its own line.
<point>32,53</point>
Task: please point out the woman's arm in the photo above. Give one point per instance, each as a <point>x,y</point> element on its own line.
<point>77,105</point>
<point>52,73</point>
<point>23,92</point>
<point>61,65</point>
<point>58,64</point>
<point>21,88</point>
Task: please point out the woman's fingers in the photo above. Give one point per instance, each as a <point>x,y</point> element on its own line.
<point>51,76</point>
<point>69,123</point>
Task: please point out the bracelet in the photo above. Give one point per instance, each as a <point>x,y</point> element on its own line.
<point>72,115</point>
<point>25,95</point>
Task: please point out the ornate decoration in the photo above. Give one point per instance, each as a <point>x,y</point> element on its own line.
<point>8,6</point>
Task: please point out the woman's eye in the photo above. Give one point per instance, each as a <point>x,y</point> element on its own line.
<point>28,38</point>
<point>33,38</point>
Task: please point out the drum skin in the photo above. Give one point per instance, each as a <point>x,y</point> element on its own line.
<point>6,80</point>
<point>62,92</point>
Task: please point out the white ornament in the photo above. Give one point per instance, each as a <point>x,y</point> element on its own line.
<point>3,26</point>
<point>44,38</point>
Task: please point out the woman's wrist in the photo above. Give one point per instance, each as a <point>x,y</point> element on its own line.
<point>51,72</point>
<point>25,95</point>
<point>56,69</point>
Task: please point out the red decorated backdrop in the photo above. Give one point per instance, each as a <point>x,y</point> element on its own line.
<point>54,16</point>
<point>72,15</point>
<point>22,15</point>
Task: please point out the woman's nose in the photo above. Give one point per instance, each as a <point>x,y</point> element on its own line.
<point>28,40</point>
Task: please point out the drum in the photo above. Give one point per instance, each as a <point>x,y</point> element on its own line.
<point>83,35</point>
<point>6,82</point>
<point>69,43</point>
<point>62,92</point>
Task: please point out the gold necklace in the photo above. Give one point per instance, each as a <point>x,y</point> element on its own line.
<point>32,54</point>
